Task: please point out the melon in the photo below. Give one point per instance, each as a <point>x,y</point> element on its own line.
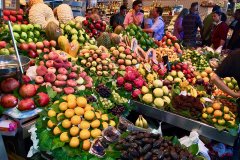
<point>118,29</point>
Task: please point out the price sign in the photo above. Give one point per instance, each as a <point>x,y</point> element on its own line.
<point>11,4</point>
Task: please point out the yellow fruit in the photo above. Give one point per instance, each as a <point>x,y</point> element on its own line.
<point>208,70</point>
<point>214,120</point>
<point>88,108</point>
<point>89,115</point>
<point>72,104</point>
<point>206,79</point>
<point>84,125</point>
<point>71,97</point>
<point>105,125</point>
<point>50,124</point>
<point>74,131</point>
<point>227,117</point>
<point>56,102</point>
<point>69,113</point>
<point>81,102</point>
<point>98,115</point>
<point>64,137</point>
<point>79,111</point>
<point>104,117</point>
<point>56,131</point>
<point>204,115</point>
<point>96,133</point>
<point>217,113</point>
<point>232,123</point>
<point>86,145</point>
<point>95,123</point>
<point>60,118</point>
<point>204,109</point>
<point>216,106</point>
<point>75,120</point>
<point>221,121</point>
<point>64,98</point>
<point>225,109</point>
<point>112,123</point>
<point>66,123</point>
<point>74,142</point>
<point>204,74</point>
<point>63,106</point>
<point>84,134</point>
<point>210,110</point>
<point>51,113</point>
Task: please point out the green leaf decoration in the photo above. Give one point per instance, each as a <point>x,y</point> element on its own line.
<point>57,143</point>
<point>45,141</point>
<point>175,141</point>
<point>193,149</point>
<point>51,93</point>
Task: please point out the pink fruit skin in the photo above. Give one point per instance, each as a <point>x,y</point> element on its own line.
<point>51,70</point>
<point>43,99</point>
<point>89,85</point>
<point>27,90</point>
<point>9,84</point>
<point>47,84</point>
<point>32,46</point>
<point>58,90</point>
<point>136,93</point>
<point>74,68</point>
<point>26,104</point>
<point>53,55</point>
<point>120,81</point>
<point>127,51</point>
<point>88,79</point>
<point>58,63</point>
<point>62,70</point>
<point>46,43</point>
<point>49,63</point>
<point>41,70</point>
<point>138,83</point>
<point>39,79</point>
<point>128,86</point>
<point>8,101</point>
<point>61,77</point>
<point>50,77</point>
<point>60,83</point>
<point>3,44</point>
<point>45,56</point>
<point>68,90</point>
<point>73,75</point>
<point>26,79</point>
<point>71,83</point>
<point>53,43</point>
<point>83,74</point>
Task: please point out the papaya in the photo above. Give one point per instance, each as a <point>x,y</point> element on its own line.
<point>63,43</point>
<point>74,47</point>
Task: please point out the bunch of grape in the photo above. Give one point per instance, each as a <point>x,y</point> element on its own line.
<point>118,98</point>
<point>118,110</point>
<point>103,91</point>
<point>91,99</point>
<point>107,104</point>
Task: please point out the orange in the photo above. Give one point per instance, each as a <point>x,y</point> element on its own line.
<point>81,102</point>
<point>86,145</point>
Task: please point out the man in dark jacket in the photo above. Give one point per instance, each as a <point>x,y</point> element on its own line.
<point>118,19</point>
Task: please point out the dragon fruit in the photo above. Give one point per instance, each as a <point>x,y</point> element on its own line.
<point>139,82</point>
<point>136,93</point>
<point>120,81</point>
<point>128,86</point>
<point>129,76</point>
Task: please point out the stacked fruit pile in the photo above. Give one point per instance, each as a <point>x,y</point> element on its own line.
<point>141,122</point>
<point>183,68</point>
<point>75,120</point>
<point>231,83</point>
<point>5,48</point>
<point>15,16</point>
<point>172,55</point>
<point>94,28</point>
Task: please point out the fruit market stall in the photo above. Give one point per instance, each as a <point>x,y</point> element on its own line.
<point>82,81</point>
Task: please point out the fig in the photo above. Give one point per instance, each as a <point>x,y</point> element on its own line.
<point>9,101</point>
<point>8,85</point>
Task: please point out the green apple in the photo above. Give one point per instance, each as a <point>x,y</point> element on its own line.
<point>230,85</point>
<point>37,26</point>
<point>62,26</point>
<point>35,40</point>
<point>167,99</point>
<point>157,83</point>
<point>234,81</point>
<point>29,40</point>
<point>4,51</point>
<point>16,36</point>
<point>74,37</point>
<point>227,79</point>
<point>24,27</point>
<point>81,39</point>
<point>16,28</point>
<point>158,92</point>
<point>72,23</point>
<point>22,41</point>
<point>68,28</point>
<point>11,50</point>
<point>24,35</point>
<point>158,102</point>
<point>30,27</point>
<point>74,31</point>
<point>30,34</point>
<point>36,33</point>
<point>236,88</point>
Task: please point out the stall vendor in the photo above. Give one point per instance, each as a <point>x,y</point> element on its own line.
<point>230,67</point>
<point>158,26</point>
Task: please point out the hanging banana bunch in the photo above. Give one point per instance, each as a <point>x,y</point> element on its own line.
<point>141,122</point>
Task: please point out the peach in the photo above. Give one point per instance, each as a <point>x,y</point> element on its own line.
<point>60,83</point>
<point>51,70</point>
<point>73,75</point>
<point>61,77</point>
<point>62,70</point>
<point>71,83</point>
<point>68,90</point>
<point>41,70</point>
<point>49,63</point>
<point>50,77</point>
<point>45,56</point>
<point>53,55</point>
<point>39,79</point>
<point>58,90</point>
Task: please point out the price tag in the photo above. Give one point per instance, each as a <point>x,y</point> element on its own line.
<point>134,44</point>
<point>11,5</point>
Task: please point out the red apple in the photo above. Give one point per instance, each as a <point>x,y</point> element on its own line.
<point>19,17</point>
<point>20,11</point>
<point>13,12</point>
<point>27,90</point>
<point>6,12</point>
<point>42,99</point>
<point>8,85</point>
<point>46,43</point>
<point>32,54</point>
<point>12,18</point>
<point>32,46</point>
<point>3,44</point>
<point>39,45</point>
<point>24,46</point>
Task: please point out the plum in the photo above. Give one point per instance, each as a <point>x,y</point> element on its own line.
<point>50,77</point>
<point>27,90</point>
<point>26,104</point>
<point>9,101</point>
<point>41,70</point>
<point>9,84</point>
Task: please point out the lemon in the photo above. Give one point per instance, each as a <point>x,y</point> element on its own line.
<point>112,123</point>
<point>72,104</point>
<point>74,131</point>
<point>227,117</point>
<point>63,106</point>
<point>50,124</point>
<point>64,98</point>
<point>75,120</point>
<point>98,115</point>
<point>69,113</point>
<point>64,137</point>
<point>104,117</point>
<point>51,113</point>
<point>56,131</point>
<point>84,134</point>
<point>88,108</point>
<point>74,142</point>
<point>59,116</point>
<point>84,125</point>
<point>105,125</point>
<point>86,145</point>
<point>96,133</point>
<point>214,120</point>
<point>89,115</point>
<point>71,97</point>
<point>79,111</point>
<point>95,123</point>
<point>66,123</point>
<point>81,102</point>
<point>210,110</point>
<point>204,115</point>
<point>225,109</point>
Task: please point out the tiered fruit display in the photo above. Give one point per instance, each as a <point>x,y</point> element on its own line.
<point>27,97</point>
<point>35,49</point>
<point>97,60</point>
<point>15,16</point>
<point>172,55</point>
<point>73,31</point>
<point>73,120</point>
<point>231,83</point>
<point>144,40</point>
<point>141,122</point>
<point>94,28</point>
<point>175,76</point>
<point>6,49</point>
<point>63,76</point>
<point>158,96</point>
<point>186,69</point>
<point>218,114</point>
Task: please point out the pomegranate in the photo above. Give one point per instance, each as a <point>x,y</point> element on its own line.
<point>26,104</point>
<point>9,84</point>
<point>9,101</point>
<point>27,90</point>
<point>42,99</point>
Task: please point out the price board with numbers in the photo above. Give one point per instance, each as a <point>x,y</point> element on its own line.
<point>11,4</point>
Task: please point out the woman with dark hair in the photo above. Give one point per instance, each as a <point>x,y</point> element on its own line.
<point>178,30</point>
<point>219,32</point>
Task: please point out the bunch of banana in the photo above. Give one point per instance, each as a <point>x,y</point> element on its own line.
<point>184,85</point>
<point>141,122</point>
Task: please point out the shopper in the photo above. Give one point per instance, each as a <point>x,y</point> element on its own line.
<point>191,23</point>
<point>207,26</point>
<point>134,16</point>
<point>228,68</point>
<point>158,26</point>
<point>178,30</point>
<point>118,19</point>
<point>234,42</point>
<point>219,32</point>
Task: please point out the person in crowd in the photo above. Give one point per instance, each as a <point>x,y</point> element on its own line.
<point>118,19</point>
<point>191,23</point>
<point>207,26</point>
<point>229,67</point>
<point>234,42</point>
<point>178,30</point>
<point>158,26</point>
<point>134,15</point>
<point>219,32</point>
